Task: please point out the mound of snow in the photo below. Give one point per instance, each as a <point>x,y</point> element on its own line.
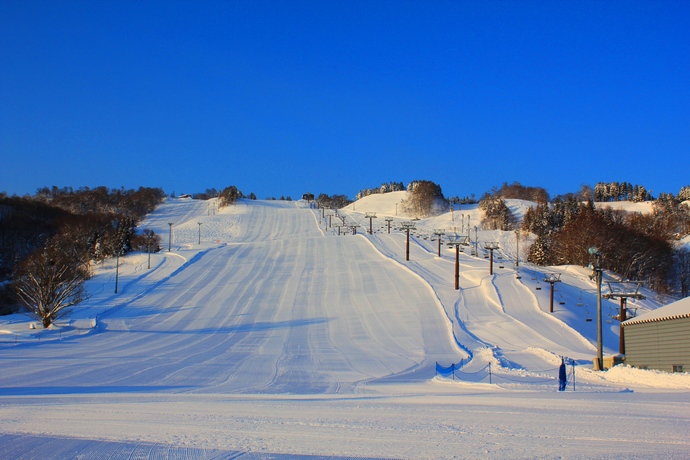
<point>647,377</point>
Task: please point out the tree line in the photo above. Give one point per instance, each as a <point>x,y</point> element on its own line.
<point>636,246</point>
<point>55,236</point>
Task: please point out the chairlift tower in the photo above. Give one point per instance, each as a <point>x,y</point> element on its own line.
<point>456,240</point>
<point>490,246</point>
<point>388,221</point>
<point>552,279</point>
<point>407,226</point>
<point>476,240</point>
<point>623,290</point>
<point>517,248</point>
<point>371,216</point>
<point>199,231</point>
<point>439,236</point>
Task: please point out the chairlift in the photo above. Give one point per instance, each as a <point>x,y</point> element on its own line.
<point>538,286</point>
<point>588,316</point>
<point>579,301</point>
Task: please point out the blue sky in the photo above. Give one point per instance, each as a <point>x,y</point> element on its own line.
<point>281,98</point>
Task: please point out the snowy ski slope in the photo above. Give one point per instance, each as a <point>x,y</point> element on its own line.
<point>276,334</point>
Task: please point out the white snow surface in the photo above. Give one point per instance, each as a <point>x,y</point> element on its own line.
<point>276,335</point>
<point>643,207</point>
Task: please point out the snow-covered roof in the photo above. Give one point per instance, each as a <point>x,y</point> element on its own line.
<point>675,310</point>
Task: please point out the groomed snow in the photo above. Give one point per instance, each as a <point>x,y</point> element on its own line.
<point>277,336</point>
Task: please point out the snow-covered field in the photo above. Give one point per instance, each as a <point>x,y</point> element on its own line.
<point>275,335</point>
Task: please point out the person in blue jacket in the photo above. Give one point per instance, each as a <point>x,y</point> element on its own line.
<point>562,377</point>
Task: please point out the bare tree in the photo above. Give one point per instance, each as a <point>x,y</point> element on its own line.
<point>49,281</point>
<point>682,266</point>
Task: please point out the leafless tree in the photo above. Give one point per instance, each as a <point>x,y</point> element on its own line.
<point>49,281</point>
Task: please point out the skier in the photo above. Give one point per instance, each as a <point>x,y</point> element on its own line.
<point>562,378</point>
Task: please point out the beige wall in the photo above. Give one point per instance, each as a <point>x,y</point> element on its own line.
<point>658,345</point>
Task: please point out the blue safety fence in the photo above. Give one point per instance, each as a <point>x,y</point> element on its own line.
<point>487,375</point>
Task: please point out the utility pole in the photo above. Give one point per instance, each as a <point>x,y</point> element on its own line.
<point>117,267</point>
<point>170,224</point>
<point>149,237</point>
<point>597,274</point>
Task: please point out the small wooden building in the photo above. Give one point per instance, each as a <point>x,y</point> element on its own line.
<point>660,339</point>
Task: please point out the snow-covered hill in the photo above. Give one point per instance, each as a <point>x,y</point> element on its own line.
<point>263,329</point>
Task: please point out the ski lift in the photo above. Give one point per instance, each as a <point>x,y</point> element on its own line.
<point>561,299</point>
<point>579,301</point>
<point>588,316</point>
<point>538,286</point>
<point>611,315</point>
<point>518,275</point>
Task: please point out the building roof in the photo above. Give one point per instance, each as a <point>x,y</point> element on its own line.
<point>675,310</point>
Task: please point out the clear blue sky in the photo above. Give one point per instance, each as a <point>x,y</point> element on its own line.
<point>283,97</point>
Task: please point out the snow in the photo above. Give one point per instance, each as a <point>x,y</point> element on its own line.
<point>277,336</point>
<point>643,207</point>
